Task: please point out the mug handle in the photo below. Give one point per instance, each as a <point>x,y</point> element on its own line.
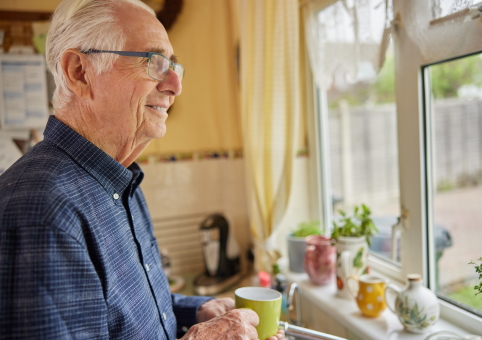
<point>396,290</point>
<point>354,278</point>
<point>309,264</point>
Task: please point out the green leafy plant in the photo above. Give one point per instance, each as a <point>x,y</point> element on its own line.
<point>478,270</point>
<point>356,225</point>
<point>307,228</point>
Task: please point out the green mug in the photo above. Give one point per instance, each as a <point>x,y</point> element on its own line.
<point>266,303</point>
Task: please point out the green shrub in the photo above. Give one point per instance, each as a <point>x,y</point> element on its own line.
<point>478,270</point>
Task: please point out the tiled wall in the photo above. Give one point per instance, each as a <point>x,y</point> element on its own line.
<point>181,193</point>
<point>195,189</point>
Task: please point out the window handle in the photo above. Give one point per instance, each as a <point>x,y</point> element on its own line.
<point>396,229</point>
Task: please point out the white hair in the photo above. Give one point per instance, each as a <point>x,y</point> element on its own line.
<point>84,25</point>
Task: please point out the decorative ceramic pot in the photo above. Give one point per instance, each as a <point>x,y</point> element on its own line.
<point>416,306</point>
<point>320,259</point>
<point>351,259</point>
<point>296,253</point>
<point>370,294</point>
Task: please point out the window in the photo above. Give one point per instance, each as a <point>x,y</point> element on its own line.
<point>361,117</point>
<point>433,183</point>
<point>363,149</point>
<point>454,124</point>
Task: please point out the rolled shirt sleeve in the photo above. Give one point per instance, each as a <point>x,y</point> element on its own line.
<point>185,308</point>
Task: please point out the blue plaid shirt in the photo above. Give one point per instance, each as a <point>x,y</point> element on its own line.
<point>78,258</point>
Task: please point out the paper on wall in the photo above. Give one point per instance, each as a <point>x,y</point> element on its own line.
<point>9,153</point>
<point>23,91</point>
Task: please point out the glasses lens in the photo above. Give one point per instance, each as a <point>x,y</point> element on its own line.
<point>159,67</point>
<point>179,69</point>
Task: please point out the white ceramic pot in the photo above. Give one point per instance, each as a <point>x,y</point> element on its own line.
<point>351,259</point>
<point>416,306</point>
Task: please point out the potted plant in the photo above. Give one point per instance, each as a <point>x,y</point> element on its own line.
<point>297,245</point>
<point>352,235</point>
<point>359,224</point>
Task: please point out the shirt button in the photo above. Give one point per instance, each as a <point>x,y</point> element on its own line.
<point>184,328</point>
<point>116,196</point>
<point>164,316</point>
<point>147,267</point>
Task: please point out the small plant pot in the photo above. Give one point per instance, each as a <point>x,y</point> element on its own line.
<point>296,253</point>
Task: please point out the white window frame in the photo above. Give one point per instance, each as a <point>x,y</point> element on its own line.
<point>414,160</point>
<point>414,143</point>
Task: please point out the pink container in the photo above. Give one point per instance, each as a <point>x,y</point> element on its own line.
<point>320,259</point>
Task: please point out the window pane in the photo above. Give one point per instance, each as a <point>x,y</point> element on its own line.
<point>362,114</point>
<point>363,151</point>
<point>456,90</point>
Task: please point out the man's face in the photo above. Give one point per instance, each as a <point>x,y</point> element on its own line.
<point>128,101</point>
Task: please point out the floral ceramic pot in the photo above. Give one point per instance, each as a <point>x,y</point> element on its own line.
<point>351,259</point>
<point>416,306</point>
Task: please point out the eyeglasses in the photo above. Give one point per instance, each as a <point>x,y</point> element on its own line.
<point>158,67</point>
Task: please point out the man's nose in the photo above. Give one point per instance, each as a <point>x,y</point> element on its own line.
<point>172,85</point>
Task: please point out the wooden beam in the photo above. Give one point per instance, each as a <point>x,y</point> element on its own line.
<point>24,16</point>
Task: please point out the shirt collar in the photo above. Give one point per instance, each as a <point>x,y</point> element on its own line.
<point>112,175</point>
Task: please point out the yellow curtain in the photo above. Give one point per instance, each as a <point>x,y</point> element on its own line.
<point>270,107</point>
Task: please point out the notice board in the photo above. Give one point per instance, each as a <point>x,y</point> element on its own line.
<point>23,92</point>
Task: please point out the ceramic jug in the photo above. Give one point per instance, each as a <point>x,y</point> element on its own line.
<point>416,306</point>
<point>370,295</point>
<point>351,259</point>
<point>320,258</point>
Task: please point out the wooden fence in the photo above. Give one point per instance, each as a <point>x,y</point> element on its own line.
<point>364,156</point>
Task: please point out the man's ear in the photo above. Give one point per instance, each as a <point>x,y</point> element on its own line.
<point>74,65</point>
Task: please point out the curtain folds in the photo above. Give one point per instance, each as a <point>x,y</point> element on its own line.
<point>348,37</point>
<point>270,109</point>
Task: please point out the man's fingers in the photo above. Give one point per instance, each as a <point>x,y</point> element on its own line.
<point>236,323</point>
<point>247,314</point>
<point>279,336</point>
<point>228,302</point>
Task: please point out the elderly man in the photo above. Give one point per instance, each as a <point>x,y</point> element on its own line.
<point>78,258</point>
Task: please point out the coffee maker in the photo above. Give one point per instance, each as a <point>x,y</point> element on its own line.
<point>221,257</point>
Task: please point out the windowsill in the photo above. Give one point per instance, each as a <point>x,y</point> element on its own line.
<point>346,312</point>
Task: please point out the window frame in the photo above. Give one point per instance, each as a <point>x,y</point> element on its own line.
<point>414,158</point>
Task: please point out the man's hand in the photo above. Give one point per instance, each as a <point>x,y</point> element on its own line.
<point>235,324</point>
<point>215,309</point>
